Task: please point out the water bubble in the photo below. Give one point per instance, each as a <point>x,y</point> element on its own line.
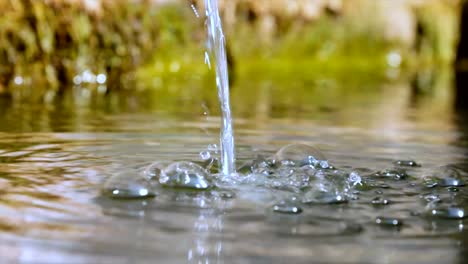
<point>299,181</point>
<point>406,163</point>
<point>185,175</point>
<point>451,182</point>
<point>154,170</point>
<point>431,198</point>
<point>395,174</point>
<point>285,171</point>
<point>324,164</point>
<point>324,198</point>
<point>262,166</point>
<point>211,165</point>
<point>287,207</point>
<point>430,182</point>
<point>447,172</point>
<point>123,208</point>
<point>310,161</point>
<point>380,201</point>
<point>388,221</point>
<point>205,155</point>
<point>299,153</point>
<point>128,185</point>
<point>449,213</point>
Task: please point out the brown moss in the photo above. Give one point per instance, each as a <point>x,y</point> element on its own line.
<point>52,41</point>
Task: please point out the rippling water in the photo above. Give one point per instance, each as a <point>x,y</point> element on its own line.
<point>55,159</point>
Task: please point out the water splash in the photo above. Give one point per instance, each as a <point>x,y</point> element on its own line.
<point>216,46</point>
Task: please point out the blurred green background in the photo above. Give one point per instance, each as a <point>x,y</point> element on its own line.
<point>154,49</point>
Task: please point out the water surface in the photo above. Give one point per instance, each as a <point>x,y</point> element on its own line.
<point>55,158</point>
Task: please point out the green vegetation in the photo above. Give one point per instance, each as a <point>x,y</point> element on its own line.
<point>145,46</point>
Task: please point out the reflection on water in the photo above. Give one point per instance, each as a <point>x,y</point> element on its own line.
<point>54,160</point>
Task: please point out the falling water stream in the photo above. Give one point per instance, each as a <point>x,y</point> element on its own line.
<point>216,44</point>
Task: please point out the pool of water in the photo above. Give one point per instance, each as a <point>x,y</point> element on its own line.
<point>54,159</point>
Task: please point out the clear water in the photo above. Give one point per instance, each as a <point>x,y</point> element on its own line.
<point>216,44</point>
<point>55,162</point>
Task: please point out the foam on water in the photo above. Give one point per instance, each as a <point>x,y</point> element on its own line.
<point>299,171</point>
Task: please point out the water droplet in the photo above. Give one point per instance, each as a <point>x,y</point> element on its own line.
<point>128,185</point>
<point>355,179</point>
<point>380,201</point>
<point>407,163</point>
<point>388,221</point>
<point>324,165</point>
<point>449,213</point>
<point>195,11</point>
<point>205,155</point>
<point>299,153</point>
<point>213,148</point>
<point>287,207</point>
<point>185,175</point>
